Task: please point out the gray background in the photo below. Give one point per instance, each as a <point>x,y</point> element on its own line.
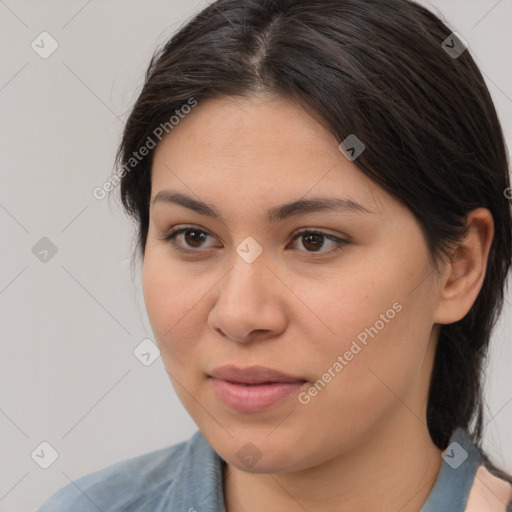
<point>69,325</point>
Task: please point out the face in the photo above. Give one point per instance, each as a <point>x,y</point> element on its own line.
<point>346,308</point>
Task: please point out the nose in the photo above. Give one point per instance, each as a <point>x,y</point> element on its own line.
<point>250,303</point>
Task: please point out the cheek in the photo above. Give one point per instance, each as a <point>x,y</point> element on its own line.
<point>359,384</point>
<point>379,322</point>
<point>356,301</point>
<point>173,305</point>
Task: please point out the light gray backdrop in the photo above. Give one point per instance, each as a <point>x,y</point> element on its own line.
<point>71,315</point>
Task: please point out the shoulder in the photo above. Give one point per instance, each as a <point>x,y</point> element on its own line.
<point>488,493</point>
<point>138,483</point>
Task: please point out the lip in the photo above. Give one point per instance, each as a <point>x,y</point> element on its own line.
<point>253,375</point>
<point>253,389</point>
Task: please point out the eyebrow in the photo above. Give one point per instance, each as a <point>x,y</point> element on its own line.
<point>274,214</point>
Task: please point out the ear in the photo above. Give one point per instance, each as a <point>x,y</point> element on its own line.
<point>463,276</point>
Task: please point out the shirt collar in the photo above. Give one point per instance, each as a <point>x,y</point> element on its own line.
<point>198,485</point>
<point>453,484</point>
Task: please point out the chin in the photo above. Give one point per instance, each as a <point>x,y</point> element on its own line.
<point>263,457</point>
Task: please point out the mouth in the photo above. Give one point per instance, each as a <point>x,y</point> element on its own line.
<point>253,375</point>
<point>253,384</point>
<point>253,389</point>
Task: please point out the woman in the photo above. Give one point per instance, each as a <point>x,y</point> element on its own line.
<point>320,191</point>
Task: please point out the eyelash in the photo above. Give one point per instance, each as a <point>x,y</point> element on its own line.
<point>340,243</point>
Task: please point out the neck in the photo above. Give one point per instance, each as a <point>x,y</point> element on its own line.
<point>393,468</point>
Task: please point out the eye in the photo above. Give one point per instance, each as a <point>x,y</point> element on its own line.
<point>314,240</point>
<point>194,238</point>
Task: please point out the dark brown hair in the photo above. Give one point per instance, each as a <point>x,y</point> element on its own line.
<point>376,69</point>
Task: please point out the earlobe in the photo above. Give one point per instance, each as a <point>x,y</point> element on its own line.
<point>464,274</point>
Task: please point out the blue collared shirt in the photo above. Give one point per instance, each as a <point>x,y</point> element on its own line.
<point>187,477</point>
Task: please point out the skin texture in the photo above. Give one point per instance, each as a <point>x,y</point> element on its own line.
<point>362,442</point>
<point>488,493</point>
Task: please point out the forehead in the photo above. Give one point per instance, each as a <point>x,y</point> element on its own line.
<point>249,150</point>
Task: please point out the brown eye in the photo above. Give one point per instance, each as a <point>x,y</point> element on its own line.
<point>314,241</point>
<point>193,238</point>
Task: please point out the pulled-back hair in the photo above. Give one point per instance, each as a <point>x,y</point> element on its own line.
<point>379,70</point>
